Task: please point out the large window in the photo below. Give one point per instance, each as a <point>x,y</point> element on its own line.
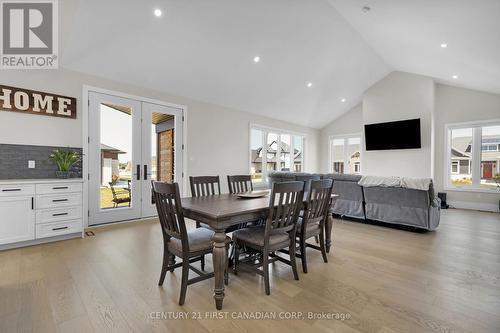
<point>274,150</point>
<point>473,156</point>
<point>345,152</point>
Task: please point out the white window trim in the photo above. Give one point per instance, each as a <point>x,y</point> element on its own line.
<point>475,164</point>
<point>279,131</point>
<point>345,136</point>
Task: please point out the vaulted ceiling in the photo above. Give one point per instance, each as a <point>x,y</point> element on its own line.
<point>205,49</point>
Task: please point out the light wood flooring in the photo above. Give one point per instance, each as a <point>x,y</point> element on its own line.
<point>387,280</point>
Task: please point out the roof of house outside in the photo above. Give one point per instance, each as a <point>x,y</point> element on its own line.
<point>111,149</point>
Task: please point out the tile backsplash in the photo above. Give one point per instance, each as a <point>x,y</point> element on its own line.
<point>14,162</point>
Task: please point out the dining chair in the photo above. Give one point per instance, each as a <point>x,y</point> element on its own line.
<point>202,186</point>
<point>312,222</point>
<point>239,183</point>
<point>277,233</point>
<point>190,246</point>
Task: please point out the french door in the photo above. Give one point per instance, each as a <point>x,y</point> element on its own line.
<point>131,143</point>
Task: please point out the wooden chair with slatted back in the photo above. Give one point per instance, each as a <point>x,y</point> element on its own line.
<point>312,223</point>
<point>202,186</point>
<point>190,246</point>
<point>239,184</point>
<point>278,233</point>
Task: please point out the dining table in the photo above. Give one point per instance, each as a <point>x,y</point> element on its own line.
<point>225,210</point>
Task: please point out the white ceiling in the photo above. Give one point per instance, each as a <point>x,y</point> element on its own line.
<point>204,49</point>
<point>407,34</point>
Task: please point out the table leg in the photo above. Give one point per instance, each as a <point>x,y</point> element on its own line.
<point>219,259</point>
<point>328,232</point>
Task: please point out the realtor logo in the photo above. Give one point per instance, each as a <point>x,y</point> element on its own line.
<point>29,34</point>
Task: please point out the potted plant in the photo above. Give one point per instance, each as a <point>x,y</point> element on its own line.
<point>64,159</point>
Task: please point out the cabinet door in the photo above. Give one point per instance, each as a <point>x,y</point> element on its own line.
<point>17,219</point>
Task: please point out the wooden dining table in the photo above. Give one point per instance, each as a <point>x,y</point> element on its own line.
<point>225,210</point>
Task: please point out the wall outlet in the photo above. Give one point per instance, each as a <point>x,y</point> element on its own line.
<point>31,164</point>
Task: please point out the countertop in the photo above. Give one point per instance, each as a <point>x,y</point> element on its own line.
<point>40,181</point>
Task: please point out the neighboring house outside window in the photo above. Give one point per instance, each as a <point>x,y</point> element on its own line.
<point>277,150</point>
<point>345,154</point>
<point>473,155</point>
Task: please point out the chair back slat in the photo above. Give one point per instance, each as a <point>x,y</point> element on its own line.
<point>239,184</point>
<point>169,207</point>
<point>318,201</point>
<point>284,207</point>
<point>204,186</point>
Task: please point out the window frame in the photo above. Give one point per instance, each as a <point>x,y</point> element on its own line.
<point>265,131</point>
<point>346,138</point>
<point>475,163</point>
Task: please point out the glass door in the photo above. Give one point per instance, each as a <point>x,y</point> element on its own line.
<point>131,143</point>
<point>161,150</point>
<point>114,159</point>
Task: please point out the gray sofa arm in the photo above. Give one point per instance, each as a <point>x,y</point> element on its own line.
<point>434,213</point>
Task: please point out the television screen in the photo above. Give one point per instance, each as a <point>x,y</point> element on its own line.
<point>403,134</point>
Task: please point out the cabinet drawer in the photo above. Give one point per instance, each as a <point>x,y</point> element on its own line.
<point>58,228</point>
<point>58,200</point>
<point>58,188</point>
<point>17,190</point>
<point>58,214</point>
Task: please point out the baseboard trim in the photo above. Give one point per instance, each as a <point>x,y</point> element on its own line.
<point>40,241</point>
<point>474,206</point>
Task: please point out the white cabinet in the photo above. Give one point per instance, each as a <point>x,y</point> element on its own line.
<point>17,219</point>
<point>35,211</point>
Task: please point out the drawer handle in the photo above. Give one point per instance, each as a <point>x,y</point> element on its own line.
<point>59,200</point>
<point>60,188</point>
<point>60,214</point>
<point>60,228</point>
<point>12,190</point>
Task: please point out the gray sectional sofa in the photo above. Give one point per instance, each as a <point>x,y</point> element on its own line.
<point>416,208</point>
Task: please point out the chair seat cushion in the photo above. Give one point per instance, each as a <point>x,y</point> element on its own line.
<point>255,235</point>
<point>199,239</point>
<point>312,229</point>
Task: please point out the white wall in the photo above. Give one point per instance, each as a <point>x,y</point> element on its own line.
<point>217,142</point>
<point>455,105</point>
<point>349,123</point>
<point>400,96</point>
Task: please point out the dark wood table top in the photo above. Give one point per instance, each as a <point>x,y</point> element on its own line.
<point>225,206</point>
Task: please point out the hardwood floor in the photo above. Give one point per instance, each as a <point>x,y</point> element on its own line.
<point>386,280</point>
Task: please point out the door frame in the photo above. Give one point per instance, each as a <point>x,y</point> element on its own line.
<point>85,137</point>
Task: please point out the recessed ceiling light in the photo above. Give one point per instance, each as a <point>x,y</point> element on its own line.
<point>444,45</point>
<point>309,85</point>
<point>256,59</point>
<point>158,12</point>
<point>455,76</point>
<point>343,100</point>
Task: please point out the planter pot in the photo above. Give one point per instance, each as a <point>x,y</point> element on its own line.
<point>63,174</point>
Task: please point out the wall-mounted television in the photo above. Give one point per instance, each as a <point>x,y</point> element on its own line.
<point>403,134</point>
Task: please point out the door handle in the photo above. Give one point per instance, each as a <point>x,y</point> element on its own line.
<point>138,167</point>
<point>145,172</point>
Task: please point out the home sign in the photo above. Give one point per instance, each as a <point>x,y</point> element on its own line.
<point>36,102</point>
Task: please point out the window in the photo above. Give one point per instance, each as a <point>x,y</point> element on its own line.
<point>473,158</point>
<point>281,152</point>
<point>345,154</point>
<point>357,167</point>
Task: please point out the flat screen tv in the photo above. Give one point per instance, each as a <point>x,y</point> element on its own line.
<point>403,134</point>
